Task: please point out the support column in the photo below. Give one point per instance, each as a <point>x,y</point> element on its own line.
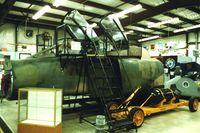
<point>16,36</point>
<point>187,43</point>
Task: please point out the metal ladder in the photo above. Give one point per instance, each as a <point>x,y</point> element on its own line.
<point>104,83</point>
<point>106,88</point>
<point>104,78</point>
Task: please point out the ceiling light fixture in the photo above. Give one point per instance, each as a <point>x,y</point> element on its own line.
<point>57,3</point>
<point>163,22</point>
<point>124,12</point>
<point>93,25</point>
<point>41,12</point>
<point>187,28</point>
<point>128,32</point>
<point>148,38</point>
<point>140,29</point>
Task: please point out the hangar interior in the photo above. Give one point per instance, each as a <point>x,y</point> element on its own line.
<point>85,66</point>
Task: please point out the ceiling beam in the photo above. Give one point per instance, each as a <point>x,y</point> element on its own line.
<point>30,11</point>
<point>133,37</point>
<point>40,21</point>
<point>182,18</point>
<point>194,10</point>
<point>5,8</point>
<point>155,29</point>
<point>101,6</point>
<point>29,24</point>
<point>79,1</point>
<point>62,8</point>
<point>109,8</point>
<point>148,7</point>
<point>179,33</point>
<point>97,5</point>
<point>168,25</point>
<point>89,3</point>
<point>141,32</point>
<point>159,10</point>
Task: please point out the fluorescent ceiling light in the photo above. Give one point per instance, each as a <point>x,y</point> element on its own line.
<point>128,32</point>
<point>93,25</point>
<point>163,22</point>
<point>187,28</point>
<point>135,28</point>
<point>148,38</point>
<point>41,12</point>
<point>57,3</point>
<point>140,29</point>
<point>124,12</point>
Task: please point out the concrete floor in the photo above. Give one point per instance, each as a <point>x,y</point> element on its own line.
<point>176,121</point>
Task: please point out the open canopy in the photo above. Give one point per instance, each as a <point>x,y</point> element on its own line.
<point>79,27</point>
<point>113,27</point>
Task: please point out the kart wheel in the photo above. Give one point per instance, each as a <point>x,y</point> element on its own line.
<point>193,104</point>
<point>137,116</point>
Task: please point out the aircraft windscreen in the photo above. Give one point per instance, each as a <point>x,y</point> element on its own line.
<point>83,24</point>
<point>74,29</point>
<point>114,28</point>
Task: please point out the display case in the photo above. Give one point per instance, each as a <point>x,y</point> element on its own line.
<point>39,110</point>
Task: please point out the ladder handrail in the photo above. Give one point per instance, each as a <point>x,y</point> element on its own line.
<point>97,55</point>
<point>120,58</point>
<point>96,50</point>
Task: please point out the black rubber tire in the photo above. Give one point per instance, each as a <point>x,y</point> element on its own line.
<point>132,113</point>
<point>191,104</point>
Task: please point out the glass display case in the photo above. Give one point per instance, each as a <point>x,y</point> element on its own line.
<point>39,110</point>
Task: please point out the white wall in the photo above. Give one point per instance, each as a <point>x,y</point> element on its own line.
<point>7,38</point>
<point>179,41</point>
<point>192,37</point>
<point>22,39</point>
